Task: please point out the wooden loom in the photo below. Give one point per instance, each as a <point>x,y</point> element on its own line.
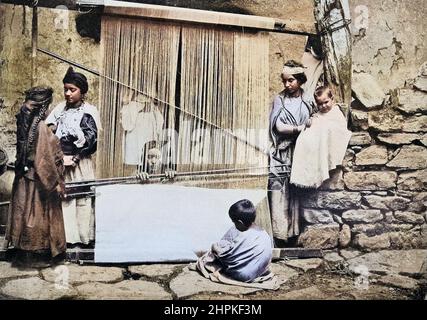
<point>337,48</point>
<point>211,84</point>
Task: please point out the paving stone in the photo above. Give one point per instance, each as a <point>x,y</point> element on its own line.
<point>82,274</point>
<point>398,281</point>
<point>155,270</point>
<point>314,216</point>
<point>391,120</point>
<point>37,289</point>
<point>305,264</point>
<point>310,293</point>
<point>283,272</point>
<point>333,257</point>
<point>415,124</point>
<point>360,139</point>
<point>125,290</point>
<point>387,203</point>
<point>359,119</point>
<point>405,262</point>
<point>189,283</point>
<point>350,254</point>
<point>7,271</point>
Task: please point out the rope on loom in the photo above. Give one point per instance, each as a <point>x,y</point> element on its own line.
<point>179,174</point>
<point>93,194</point>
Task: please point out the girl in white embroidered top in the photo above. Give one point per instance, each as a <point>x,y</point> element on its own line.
<point>76,123</point>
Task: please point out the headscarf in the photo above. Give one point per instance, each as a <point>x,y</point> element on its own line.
<point>76,78</point>
<point>27,124</point>
<point>293,70</point>
<point>41,96</point>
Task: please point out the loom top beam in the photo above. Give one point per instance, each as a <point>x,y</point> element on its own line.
<point>138,10</point>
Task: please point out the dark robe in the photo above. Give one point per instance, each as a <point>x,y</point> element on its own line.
<point>35,215</point>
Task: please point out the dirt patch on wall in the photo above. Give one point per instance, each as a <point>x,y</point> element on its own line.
<point>389,39</point>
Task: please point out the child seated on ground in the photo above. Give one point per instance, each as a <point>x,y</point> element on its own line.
<point>245,252</point>
<point>322,146</point>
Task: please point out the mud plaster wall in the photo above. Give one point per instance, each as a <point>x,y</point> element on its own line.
<point>15,60</point>
<point>369,204</point>
<point>389,39</point>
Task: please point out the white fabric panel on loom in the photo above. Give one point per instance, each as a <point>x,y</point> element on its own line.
<point>159,223</point>
<point>140,126</point>
<point>143,55</point>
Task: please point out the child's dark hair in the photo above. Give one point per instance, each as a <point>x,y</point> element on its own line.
<point>301,77</point>
<point>321,90</point>
<point>243,210</point>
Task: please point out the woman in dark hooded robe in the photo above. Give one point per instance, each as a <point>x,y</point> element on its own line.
<point>35,224</point>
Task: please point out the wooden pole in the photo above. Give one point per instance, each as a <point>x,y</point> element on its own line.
<point>34,36</point>
<point>157,12</point>
<point>332,22</point>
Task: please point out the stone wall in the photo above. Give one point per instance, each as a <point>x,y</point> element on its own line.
<point>378,198</point>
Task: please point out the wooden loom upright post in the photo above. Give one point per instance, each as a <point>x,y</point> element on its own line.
<point>34,34</point>
<point>332,22</point>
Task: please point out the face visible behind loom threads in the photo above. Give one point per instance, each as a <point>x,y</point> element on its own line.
<point>154,157</point>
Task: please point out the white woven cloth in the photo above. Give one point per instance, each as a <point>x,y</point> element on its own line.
<point>161,223</point>
<point>319,149</point>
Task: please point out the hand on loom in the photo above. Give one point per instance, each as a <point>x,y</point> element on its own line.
<point>143,176</point>
<point>170,174</point>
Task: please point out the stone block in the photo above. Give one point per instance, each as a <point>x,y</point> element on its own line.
<point>398,138</point>
<point>320,237</point>
<point>367,90</point>
<point>370,180</point>
<point>387,203</point>
<point>410,157</point>
<point>362,216</point>
<point>333,200</point>
<point>373,155</point>
<point>413,181</point>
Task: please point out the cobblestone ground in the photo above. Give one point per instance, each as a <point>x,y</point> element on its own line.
<point>344,275</point>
